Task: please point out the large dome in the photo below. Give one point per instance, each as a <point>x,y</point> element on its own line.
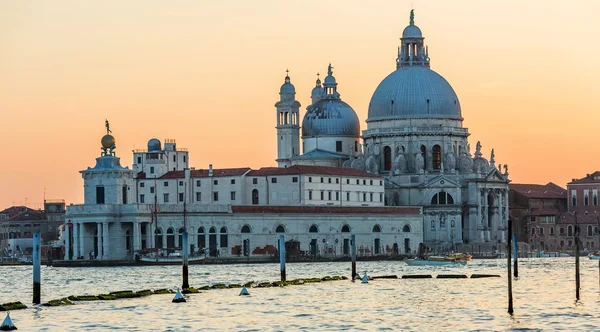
<point>414,92</point>
<point>330,117</point>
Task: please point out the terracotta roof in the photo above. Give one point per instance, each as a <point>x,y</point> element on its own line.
<point>589,178</point>
<point>305,169</point>
<point>312,209</point>
<point>545,212</point>
<point>203,173</point>
<point>20,213</point>
<point>549,190</point>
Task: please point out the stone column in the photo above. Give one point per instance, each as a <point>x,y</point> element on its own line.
<point>105,241</point>
<point>68,231</point>
<point>75,240</point>
<point>164,241</point>
<point>136,235</point>
<point>486,215</point>
<point>98,249</point>
<point>81,239</point>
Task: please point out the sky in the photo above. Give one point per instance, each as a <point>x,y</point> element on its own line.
<point>207,73</point>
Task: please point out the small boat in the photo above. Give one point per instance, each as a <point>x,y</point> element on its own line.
<point>434,261</point>
<point>174,258</point>
<point>595,256</point>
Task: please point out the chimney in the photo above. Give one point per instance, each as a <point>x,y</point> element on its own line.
<point>210,171</point>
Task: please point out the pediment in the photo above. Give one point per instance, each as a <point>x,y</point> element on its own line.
<point>495,176</point>
<point>441,181</point>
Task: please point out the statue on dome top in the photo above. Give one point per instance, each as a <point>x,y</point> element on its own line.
<point>412,17</point>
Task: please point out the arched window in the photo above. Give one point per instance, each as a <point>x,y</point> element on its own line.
<point>406,229</point>
<point>158,238</point>
<point>376,229</point>
<point>313,229</point>
<point>586,200</point>
<point>590,231</point>
<point>436,157</point>
<point>201,238</point>
<point>424,154</point>
<point>280,229</point>
<point>595,200</point>
<point>442,198</point>
<point>387,158</point>
<point>569,230</point>
<point>170,238</point>
<point>255,197</point>
<point>212,230</point>
<point>246,229</point>
<point>286,117</point>
<point>346,229</point>
<point>223,237</point>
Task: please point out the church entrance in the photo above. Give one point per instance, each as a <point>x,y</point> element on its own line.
<point>346,246</point>
<point>407,246</point>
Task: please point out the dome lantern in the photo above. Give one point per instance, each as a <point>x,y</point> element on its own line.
<point>287,90</point>
<point>412,52</point>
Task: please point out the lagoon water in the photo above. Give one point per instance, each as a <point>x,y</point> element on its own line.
<point>544,298</point>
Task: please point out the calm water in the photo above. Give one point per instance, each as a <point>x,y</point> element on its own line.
<point>544,298</point>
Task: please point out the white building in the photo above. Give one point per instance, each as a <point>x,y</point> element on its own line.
<point>413,179</point>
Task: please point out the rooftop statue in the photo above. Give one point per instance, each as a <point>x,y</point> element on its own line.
<point>412,17</point>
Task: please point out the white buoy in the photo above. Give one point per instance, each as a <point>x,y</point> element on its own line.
<point>244,291</point>
<point>7,324</point>
<point>365,279</point>
<point>178,297</point>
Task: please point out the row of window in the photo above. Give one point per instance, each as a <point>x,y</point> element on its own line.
<point>436,157</point>
<point>279,229</point>
<point>273,180</point>
<point>588,245</point>
<point>181,198</point>
<point>540,231</point>
<point>586,199</point>
<point>442,224</point>
<point>337,196</point>
<point>155,156</point>
<point>337,181</point>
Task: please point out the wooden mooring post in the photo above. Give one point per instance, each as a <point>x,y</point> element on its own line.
<point>353,254</point>
<point>37,264</point>
<point>282,256</point>
<point>577,279</point>
<point>185,248</point>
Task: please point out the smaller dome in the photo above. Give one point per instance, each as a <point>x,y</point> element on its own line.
<point>154,145</point>
<point>330,80</point>
<point>317,91</point>
<point>330,117</point>
<point>108,141</point>
<point>287,87</point>
<point>412,31</point>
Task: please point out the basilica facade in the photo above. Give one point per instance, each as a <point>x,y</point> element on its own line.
<point>415,139</point>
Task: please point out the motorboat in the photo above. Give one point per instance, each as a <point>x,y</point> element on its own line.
<point>459,256</point>
<point>595,256</point>
<point>173,258</point>
<point>434,261</point>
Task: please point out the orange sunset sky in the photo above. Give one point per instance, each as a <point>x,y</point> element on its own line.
<point>207,73</point>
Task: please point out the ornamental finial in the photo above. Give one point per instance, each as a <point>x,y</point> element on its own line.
<point>412,17</point>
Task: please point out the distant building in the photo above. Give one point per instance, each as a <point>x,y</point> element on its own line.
<point>536,210</point>
<point>18,223</point>
<point>584,209</point>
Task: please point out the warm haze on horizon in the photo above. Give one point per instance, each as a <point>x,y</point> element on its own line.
<point>208,74</point>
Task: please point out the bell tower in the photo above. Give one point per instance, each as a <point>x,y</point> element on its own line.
<point>288,128</point>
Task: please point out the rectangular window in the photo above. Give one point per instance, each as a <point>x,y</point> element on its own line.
<point>371,182</point>
<point>532,230</point>
<point>310,179</point>
<point>142,199</point>
<point>381,197</point>
<point>532,218</point>
<point>551,230</point>
<point>198,183</point>
<point>337,180</point>
<point>254,181</point>
<point>184,159</point>
<point>541,231</point>
<point>371,197</point>
<point>364,197</point>
<point>347,181</point>
<point>99,195</point>
<point>347,197</point>
<point>329,196</point>
<point>322,195</point>
<point>364,182</point>
<point>295,179</point>
<point>166,184</point>
<point>233,195</point>
<point>337,195</point>
<point>357,181</point>
<point>215,196</point>
<point>152,190</point>
<point>573,197</point>
<point>198,197</point>
<point>139,160</point>
<point>142,184</point>
<point>322,180</point>
<point>215,182</point>
<point>273,180</point>
<point>338,146</point>
<point>124,194</point>
<point>166,198</point>
<point>310,194</point>
<point>181,197</point>
<point>570,243</point>
<point>151,170</point>
<point>174,158</point>
<point>232,181</point>
<point>381,183</point>
<point>181,183</point>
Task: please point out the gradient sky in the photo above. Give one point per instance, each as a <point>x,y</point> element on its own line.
<point>207,73</point>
